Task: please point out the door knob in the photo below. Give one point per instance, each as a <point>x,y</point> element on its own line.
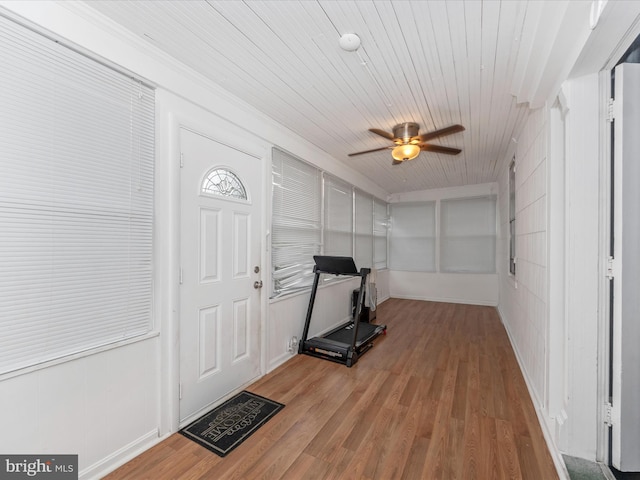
<point>257,284</point>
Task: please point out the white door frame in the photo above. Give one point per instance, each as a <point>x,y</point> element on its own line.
<point>172,113</point>
<point>604,220</point>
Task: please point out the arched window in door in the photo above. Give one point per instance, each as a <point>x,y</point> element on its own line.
<point>223,182</point>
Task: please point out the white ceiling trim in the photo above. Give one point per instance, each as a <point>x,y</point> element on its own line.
<point>554,34</point>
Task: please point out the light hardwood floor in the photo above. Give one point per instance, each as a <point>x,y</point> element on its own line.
<point>441,396</point>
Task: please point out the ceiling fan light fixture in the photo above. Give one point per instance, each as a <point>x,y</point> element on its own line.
<point>405,152</point>
<point>408,144</point>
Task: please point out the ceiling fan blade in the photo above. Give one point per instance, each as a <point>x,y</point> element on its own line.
<point>369,151</point>
<point>382,133</point>
<point>396,162</point>
<point>439,149</point>
<point>441,133</point>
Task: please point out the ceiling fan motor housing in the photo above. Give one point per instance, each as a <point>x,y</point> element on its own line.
<point>406,133</point>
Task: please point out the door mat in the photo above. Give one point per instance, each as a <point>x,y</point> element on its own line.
<point>228,425</point>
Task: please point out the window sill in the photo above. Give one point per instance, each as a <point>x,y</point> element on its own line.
<point>77,356</point>
<point>308,290</point>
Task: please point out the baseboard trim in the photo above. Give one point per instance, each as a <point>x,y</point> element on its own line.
<point>556,455</point>
<point>121,456</point>
<point>280,360</point>
<point>464,301</point>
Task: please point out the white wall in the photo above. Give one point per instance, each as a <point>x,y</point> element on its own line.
<point>477,289</point>
<point>474,289</point>
<point>103,407</point>
<point>524,299</point>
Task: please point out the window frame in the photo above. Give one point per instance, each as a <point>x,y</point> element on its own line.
<point>512,217</point>
<point>306,270</point>
<point>421,246</point>
<point>295,267</point>
<point>338,217</point>
<point>80,260</point>
<point>472,237</point>
<point>380,234</point>
<point>363,217</point>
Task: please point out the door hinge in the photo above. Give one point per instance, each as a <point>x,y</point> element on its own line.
<point>180,391</point>
<point>607,414</point>
<point>181,159</point>
<point>610,114</point>
<point>610,268</point>
<point>181,275</point>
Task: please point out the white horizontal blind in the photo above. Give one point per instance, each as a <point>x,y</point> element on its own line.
<point>380,227</point>
<point>338,217</point>
<point>413,237</point>
<point>468,235</point>
<point>296,222</point>
<point>363,230</point>
<point>380,234</point>
<point>76,201</point>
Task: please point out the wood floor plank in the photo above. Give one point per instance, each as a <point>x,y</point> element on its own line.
<point>526,455</point>
<point>440,396</point>
<point>340,463</point>
<point>329,441</point>
<point>412,469</point>
<point>308,467</point>
<point>460,396</point>
<point>473,449</point>
<point>490,464</point>
<point>454,461</point>
<point>397,444</point>
<point>510,465</point>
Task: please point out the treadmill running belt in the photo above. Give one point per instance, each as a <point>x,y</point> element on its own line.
<point>345,335</point>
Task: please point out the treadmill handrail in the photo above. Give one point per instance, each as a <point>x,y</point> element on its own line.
<point>356,321</point>
<point>307,322</point>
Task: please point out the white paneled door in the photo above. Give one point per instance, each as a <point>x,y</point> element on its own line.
<point>220,271</point>
<point>625,356</point>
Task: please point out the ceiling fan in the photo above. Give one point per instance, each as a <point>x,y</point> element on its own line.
<point>408,144</point>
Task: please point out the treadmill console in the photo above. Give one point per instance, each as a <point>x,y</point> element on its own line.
<point>335,265</point>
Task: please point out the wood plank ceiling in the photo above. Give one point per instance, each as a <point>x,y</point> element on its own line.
<point>436,63</point>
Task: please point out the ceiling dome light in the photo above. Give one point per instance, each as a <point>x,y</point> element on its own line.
<point>405,152</point>
<point>350,42</point>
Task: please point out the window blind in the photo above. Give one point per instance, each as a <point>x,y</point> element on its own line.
<point>413,237</point>
<point>363,238</point>
<point>380,228</point>
<point>468,235</point>
<point>296,222</point>
<point>76,201</point>
<point>338,217</point>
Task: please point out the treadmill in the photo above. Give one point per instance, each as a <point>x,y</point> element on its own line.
<point>346,343</point>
